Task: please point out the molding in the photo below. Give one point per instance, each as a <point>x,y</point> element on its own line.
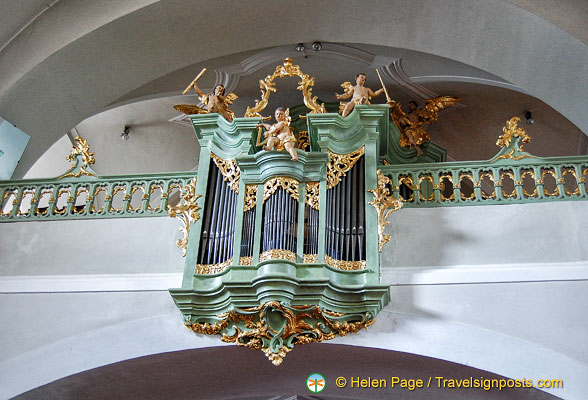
<point>393,276</point>
<point>488,273</point>
<point>89,283</point>
<point>468,79</point>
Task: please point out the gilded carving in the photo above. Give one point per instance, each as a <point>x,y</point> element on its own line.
<point>81,158</point>
<point>267,86</point>
<point>339,164</point>
<point>209,269</point>
<point>312,194</point>
<point>288,184</point>
<point>412,124</point>
<point>385,204</point>
<point>345,265</point>
<point>277,254</point>
<point>230,171</point>
<point>250,197</point>
<point>511,131</point>
<point>310,258</point>
<point>289,326</point>
<point>303,142</point>
<point>186,212</point>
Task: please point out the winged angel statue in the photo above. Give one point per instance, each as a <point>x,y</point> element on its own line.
<point>411,124</point>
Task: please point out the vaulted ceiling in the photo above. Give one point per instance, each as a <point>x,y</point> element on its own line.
<point>97,66</point>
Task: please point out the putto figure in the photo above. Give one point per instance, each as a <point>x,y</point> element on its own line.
<point>411,124</point>
<point>215,102</point>
<point>280,135</point>
<point>359,94</point>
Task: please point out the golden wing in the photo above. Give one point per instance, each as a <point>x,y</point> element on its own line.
<point>436,104</point>
<point>396,113</point>
<point>346,86</point>
<point>229,98</point>
<point>190,109</point>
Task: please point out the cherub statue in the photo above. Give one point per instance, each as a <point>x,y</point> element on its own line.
<point>215,102</point>
<point>359,94</point>
<point>280,135</point>
<point>411,124</point>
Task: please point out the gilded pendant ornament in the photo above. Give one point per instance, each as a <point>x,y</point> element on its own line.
<point>229,170</point>
<point>209,269</point>
<point>267,86</point>
<point>186,212</point>
<point>250,197</point>
<point>312,194</point>
<point>275,327</point>
<point>385,204</point>
<point>81,158</point>
<point>288,184</point>
<point>339,164</point>
<point>277,254</point>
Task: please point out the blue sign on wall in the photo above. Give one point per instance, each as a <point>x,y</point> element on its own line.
<point>13,142</point>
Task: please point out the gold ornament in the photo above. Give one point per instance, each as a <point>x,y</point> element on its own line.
<point>345,265</point>
<point>229,170</point>
<point>288,184</point>
<point>248,327</point>
<point>267,86</point>
<point>250,197</point>
<point>385,204</point>
<point>339,164</point>
<point>312,194</point>
<point>209,269</point>
<point>277,254</point>
<point>186,212</point>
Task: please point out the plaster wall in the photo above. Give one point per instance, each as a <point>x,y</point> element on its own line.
<point>75,295</point>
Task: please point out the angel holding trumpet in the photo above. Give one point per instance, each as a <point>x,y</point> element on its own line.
<point>215,102</point>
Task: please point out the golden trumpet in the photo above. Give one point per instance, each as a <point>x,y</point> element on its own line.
<point>194,81</point>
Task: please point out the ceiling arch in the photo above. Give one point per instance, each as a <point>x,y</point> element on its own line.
<point>59,74</point>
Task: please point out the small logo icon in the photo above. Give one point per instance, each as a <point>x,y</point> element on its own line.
<point>316,383</point>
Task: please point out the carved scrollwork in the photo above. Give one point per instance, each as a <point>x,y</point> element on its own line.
<point>289,326</point>
<point>345,265</point>
<point>385,204</point>
<point>81,158</point>
<point>312,194</point>
<point>267,86</point>
<point>209,269</point>
<point>229,170</point>
<point>250,197</point>
<point>186,212</point>
<point>288,184</point>
<point>277,254</point>
<point>339,164</point>
<point>303,142</point>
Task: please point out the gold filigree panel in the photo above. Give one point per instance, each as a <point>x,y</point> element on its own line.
<point>186,212</point>
<point>288,184</point>
<point>250,197</point>
<point>209,269</point>
<point>340,164</point>
<point>345,265</point>
<point>385,204</point>
<point>277,254</point>
<point>229,170</point>
<point>312,194</point>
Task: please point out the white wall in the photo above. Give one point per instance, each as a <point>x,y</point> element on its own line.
<point>519,313</point>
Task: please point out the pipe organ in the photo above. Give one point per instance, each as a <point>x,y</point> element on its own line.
<point>276,237</point>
